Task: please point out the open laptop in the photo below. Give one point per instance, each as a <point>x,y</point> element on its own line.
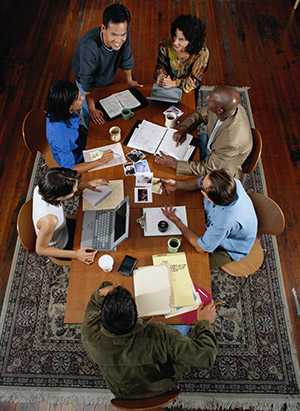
<point>105,229</point>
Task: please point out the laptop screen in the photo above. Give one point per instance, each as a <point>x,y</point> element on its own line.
<point>120,222</point>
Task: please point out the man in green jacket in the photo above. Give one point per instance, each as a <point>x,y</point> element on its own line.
<point>142,359</point>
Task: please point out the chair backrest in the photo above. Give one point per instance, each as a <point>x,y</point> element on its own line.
<point>269,215</point>
<point>25,227</point>
<point>251,161</point>
<point>145,403</point>
<point>34,131</point>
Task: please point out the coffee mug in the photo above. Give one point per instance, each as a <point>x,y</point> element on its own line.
<point>106,262</point>
<point>126,113</point>
<point>115,134</point>
<point>173,245</point>
<point>163,226</point>
<point>170,120</point>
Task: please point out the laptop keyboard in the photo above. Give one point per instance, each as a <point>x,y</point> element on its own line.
<point>103,231</point>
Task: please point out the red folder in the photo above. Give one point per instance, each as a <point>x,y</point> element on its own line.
<point>191,317</point>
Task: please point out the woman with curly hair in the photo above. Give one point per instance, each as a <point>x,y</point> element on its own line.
<point>182,62</point>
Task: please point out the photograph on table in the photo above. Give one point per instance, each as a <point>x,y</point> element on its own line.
<point>143,179</point>
<point>129,169</point>
<point>142,195</point>
<point>135,155</point>
<point>142,166</point>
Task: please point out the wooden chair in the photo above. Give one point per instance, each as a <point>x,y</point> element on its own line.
<point>154,403</point>
<point>27,234</point>
<point>34,135</point>
<point>270,221</point>
<point>251,161</point>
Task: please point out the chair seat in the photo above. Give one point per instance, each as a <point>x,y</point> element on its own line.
<point>145,403</point>
<point>247,265</point>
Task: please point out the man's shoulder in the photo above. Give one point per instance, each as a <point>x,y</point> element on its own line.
<point>90,40</point>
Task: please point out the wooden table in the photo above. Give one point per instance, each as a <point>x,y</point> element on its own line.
<point>84,279</point>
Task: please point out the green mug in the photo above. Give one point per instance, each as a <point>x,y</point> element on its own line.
<point>126,113</point>
<point>174,245</point>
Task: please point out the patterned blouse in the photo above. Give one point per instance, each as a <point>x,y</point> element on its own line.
<point>188,73</point>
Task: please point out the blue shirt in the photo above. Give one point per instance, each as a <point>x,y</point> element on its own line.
<point>232,227</point>
<point>64,140</point>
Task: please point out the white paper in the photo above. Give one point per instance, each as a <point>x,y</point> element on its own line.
<point>127,99</point>
<point>168,145</point>
<point>154,215</point>
<point>118,158</point>
<point>95,197</point>
<point>147,137</point>
<point>111,105</point>
<point>152,290</point>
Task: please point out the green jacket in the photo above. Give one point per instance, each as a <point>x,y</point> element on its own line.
<point>148,360</point>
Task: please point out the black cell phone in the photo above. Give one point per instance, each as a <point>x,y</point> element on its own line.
<point>127,265</point>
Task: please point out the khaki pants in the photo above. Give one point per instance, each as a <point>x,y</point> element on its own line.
<point>219,258</point>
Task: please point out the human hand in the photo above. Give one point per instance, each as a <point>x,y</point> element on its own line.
<point>94,184</point>
<point>105,290</point>
<point>134,83</point>
<point>85,255</point>
<point>96,115</point>
<point>169,212</point>
<point>179,137</point>
<point>165,160</point>
<point>207,313</point>
<point>167,82</point>
<point>168,185</point>
<point>107,156</point>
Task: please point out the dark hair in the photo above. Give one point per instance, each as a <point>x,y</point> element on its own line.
<point>222,188</point>
<point>193,30</point>
<point>57,182</point>
<point>60,98</point>
<point>116,13</point>
<point>119,313</point>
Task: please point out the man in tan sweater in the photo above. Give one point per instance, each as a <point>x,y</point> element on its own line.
<point>229,138</point>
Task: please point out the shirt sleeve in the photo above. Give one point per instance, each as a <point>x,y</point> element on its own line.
<point>162,63</point>
<point>127,60</point>
<point>213,237</point>
<point>198,349</point>
<point>192,81</point>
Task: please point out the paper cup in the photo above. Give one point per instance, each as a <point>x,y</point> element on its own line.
<point>115,134</point>
<point>170,120</point>
<point>173,245</point>
<point>106,262</point>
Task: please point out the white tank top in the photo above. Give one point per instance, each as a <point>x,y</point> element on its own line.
<point>41,208</point>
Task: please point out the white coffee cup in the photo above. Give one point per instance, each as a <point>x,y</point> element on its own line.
<point>106,262</point>
<point>115,133</point>
<point>170,120</point>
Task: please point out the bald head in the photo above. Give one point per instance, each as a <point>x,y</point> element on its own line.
<point>223,100</point>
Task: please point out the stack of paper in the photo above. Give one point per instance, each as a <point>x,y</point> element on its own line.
<point>152,216</point>
<point>152,290</point>
<point>96,153</point>
<point>116,195</point>
<point>184,297</point>
<point>154,139</point>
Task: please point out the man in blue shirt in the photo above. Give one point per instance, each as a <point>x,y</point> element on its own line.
<point>100,52</point>
<point>231,222</point>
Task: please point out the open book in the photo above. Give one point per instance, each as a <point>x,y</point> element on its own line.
<point>154,139</point>
<point>114,104</point>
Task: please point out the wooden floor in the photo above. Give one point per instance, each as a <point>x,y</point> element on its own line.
<point>252,43</point>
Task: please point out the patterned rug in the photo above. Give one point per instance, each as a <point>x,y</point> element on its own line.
<point>42,358</point>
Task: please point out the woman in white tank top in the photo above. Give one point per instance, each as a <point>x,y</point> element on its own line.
<point>55,187</point>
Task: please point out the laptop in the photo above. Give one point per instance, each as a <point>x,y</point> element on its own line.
<point>166,95</point>
<point>105,229</point>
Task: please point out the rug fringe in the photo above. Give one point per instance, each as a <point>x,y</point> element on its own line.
<point>235,401</point>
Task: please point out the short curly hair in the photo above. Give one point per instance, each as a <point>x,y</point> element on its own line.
<point>194,31</point>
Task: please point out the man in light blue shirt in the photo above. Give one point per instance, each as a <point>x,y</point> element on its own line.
<point>231,222</point>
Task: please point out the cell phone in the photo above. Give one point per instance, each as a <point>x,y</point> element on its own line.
<point>127,265</point>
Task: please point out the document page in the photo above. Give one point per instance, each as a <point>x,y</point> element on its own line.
<point>111,105</point>
<point>110,202</point>
<point>168,145</point>
<point>127,99</point>
<point>152,290</point>
<point>94,153</point>
<point>154,215</point>
<point>147,137</point>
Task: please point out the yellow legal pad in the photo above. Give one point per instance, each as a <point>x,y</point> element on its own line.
<point>181,283</point>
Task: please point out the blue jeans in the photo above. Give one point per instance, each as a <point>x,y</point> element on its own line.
<point>183,329</point>
<point>84,113</point>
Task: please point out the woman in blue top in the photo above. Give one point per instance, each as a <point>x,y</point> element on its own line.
<point>65,134</point>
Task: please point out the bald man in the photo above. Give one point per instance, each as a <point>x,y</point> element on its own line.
<point>228,141</point>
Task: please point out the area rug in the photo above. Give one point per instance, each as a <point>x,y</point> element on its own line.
<point>41,358</point>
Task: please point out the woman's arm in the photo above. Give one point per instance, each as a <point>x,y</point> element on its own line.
<point>46,226</point>
<point>192,81</point>
<point>83,167</point>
